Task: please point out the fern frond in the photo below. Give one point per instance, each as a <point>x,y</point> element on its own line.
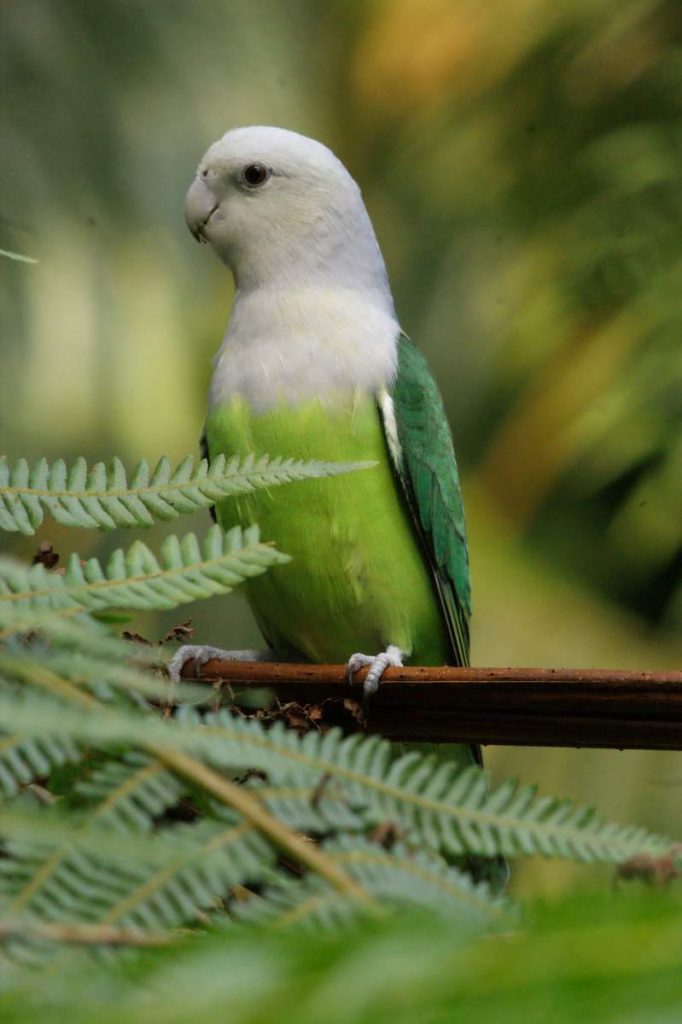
<point>308,904</point>
<point>128,795</point>
<point>79,632</point>
<point>23,758</point>
<point>186,571</point>
<point>105,497</point>
<point>104,678</point>
<point>451,808</point>
<point>575,954</point>
<point>130,792</point>
<point>445,808</point>
<point>82,650</point>
<point>413,876</point>
<point>399,877</point>
<point>87,873</point>
<point>196,868</point>
<point>319,808</point>
<point>82,832</point>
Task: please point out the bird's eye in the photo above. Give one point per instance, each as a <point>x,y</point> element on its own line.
<point>254,175</point>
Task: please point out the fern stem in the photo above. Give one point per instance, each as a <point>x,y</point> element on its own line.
<point>290,842</point>
<point>307,908</point>
<point>48,680</point>
<point>77,933</point>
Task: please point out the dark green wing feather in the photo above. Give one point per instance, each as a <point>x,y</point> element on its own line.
<point>420,446</point>
<point>425,464</point>
<point>424,460</point>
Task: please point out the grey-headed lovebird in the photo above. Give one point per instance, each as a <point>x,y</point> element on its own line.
<point>314,365</point>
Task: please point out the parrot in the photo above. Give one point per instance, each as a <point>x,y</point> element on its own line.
<point>314,365</point>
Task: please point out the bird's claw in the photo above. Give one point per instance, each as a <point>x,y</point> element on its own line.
<point>377,665</point>
<point>201,653</point>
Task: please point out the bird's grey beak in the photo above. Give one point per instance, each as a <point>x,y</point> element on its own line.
<point>200,205</point>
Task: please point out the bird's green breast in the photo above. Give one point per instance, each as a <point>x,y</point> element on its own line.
<point>357,579</point>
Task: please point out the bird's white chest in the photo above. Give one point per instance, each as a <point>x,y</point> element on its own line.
<point>289,346</point>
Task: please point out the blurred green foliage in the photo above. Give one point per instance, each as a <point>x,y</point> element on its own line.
<point>522,162</point>
<point>589,958</point>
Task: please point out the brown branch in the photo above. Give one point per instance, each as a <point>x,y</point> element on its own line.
<point>516,706</point>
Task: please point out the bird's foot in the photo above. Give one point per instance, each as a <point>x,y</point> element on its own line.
<point>201,653</point>
<point>378,663</point>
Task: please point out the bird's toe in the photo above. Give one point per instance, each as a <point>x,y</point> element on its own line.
<point>376,665</point>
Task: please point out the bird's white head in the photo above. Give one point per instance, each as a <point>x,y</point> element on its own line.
<point>313,314</point>
<point>282,211</point>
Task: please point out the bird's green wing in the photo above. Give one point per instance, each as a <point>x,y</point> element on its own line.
<point>420,445</point>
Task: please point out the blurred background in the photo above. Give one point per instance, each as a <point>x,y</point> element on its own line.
<point>522,163</point>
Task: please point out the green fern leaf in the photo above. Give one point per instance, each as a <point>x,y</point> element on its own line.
<point>398,877</point>
<point>104,498</point>
<point>445,808</point>
<point>126,795</point>
<point>319,809</point>
<point>186,571</point>
<point>194,869</point>
<point>83,872</point>
<point>103,677</point>
<point>450,808</point>
<point>130,793</point>
<point>23,758</point>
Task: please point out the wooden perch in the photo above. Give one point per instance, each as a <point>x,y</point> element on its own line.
<point>516,706</point>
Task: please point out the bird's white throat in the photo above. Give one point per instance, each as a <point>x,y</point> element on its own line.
<point>288,346</point>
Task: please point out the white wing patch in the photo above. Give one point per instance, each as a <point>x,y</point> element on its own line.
<point>387,410</point>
